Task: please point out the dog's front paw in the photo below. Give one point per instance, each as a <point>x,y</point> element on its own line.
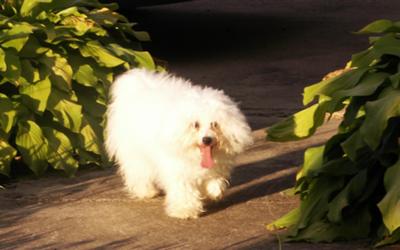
<point>184,212</point>
<point>215,188</point>
<point>143,192</point>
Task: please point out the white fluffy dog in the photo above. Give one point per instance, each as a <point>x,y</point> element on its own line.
<point>169,135</point>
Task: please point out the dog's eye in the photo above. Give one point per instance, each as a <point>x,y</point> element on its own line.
<point>196,125</point>
<point>214,125</point>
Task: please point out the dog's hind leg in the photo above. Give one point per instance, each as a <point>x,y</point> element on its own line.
<point>140,178</point>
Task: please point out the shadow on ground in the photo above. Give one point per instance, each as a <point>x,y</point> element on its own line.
<point>88,202</point>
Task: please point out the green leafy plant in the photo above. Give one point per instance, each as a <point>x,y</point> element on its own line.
<point>57,61</point>
<point>349,188</point>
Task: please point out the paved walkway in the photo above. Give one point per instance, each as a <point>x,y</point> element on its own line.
<point>92,210</point>
<point>262,53</point>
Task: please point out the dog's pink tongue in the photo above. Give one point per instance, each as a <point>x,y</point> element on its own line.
<point>206,157</point>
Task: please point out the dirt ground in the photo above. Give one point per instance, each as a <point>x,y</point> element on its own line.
<point>262,53</point>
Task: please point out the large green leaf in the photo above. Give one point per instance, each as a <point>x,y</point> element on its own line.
<point>7,153</point>
<point>58,68</point>
<point>340,167</point>
<point>144,59</point>
<point>295,127</point>
<point>61,153</point>
<point>367,86</point>
<point>390,204</point>
<point>66,111</point>
<point>53,6</point>
<point>332,85</point>
<point>58,35</point>
<point>313,161</point>
<point>365,58</point>
<point>3,64</point>
<point>333,150</point>
<point>285,221</point>
<point>102,75</point>
<point>89,99</point>
<point>141,36</point>
<point>35,96</point>
<point>85,75</point>
<point>302,124</point>
<point>33,8</point>
<point>354,227</point>
<point>7,113</point>
<point>96,51</point>
<point>29,5</point>
<point>395,80</point>
<point>105,17</point>
<point>354,113</point>
<point>141,58</point>
<point>29,73</point>
<point>79,23</point>
<point>17,36</point>
<point>314,206</point>
<point>33,146</point>
<point>61,66</point>
<point>91,137</point>
<point>377,115</point>
<point>351,192</point>
<point>388,44</point>
<point>13,63</point>
<point>353,144</point>
<point>379,26</point>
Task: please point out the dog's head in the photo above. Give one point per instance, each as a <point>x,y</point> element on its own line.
<point>217,129</point>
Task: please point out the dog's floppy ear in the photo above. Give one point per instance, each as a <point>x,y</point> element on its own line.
<point>235,130</point>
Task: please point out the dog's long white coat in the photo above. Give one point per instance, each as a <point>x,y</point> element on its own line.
<point>151,136</point>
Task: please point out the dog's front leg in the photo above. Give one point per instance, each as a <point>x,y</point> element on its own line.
<point>183,200</point>
<point>216,187</point>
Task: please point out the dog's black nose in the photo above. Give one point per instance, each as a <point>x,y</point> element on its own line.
<point>207,140</point>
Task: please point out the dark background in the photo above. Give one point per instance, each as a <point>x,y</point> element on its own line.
<point>262,53</point>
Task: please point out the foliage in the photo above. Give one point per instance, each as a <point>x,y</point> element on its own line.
<point>349,187</point>
<point>57,60</point>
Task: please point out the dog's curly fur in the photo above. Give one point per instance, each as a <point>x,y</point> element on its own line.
<point>156,125</point>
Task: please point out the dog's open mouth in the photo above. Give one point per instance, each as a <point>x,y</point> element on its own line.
<point>207,160</point>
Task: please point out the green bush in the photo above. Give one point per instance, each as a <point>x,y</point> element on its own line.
<point>57,61</point>
<point>350,187</point>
